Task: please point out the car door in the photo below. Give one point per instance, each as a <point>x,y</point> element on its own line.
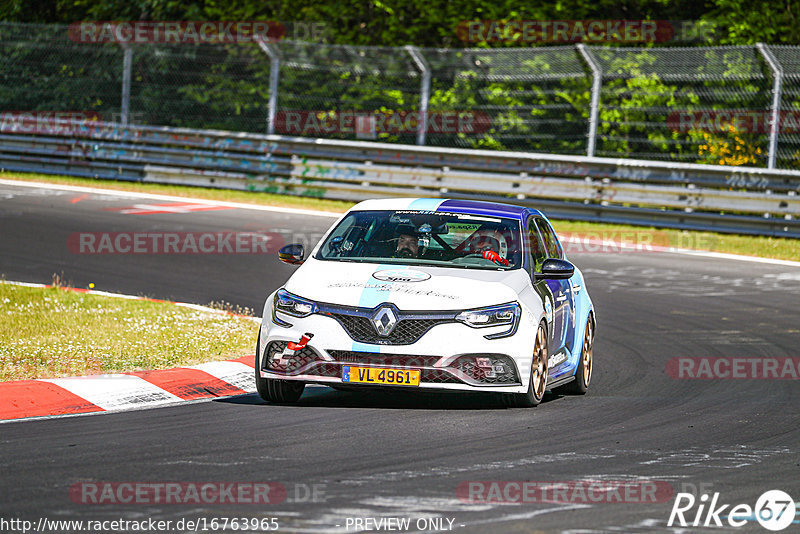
<point>547,289</point>
<point>564,302</point>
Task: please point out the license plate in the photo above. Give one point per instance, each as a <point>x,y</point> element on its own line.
<point>377,375</point>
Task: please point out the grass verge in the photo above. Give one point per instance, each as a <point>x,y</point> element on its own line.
<point>765,247</point>
<point>50,332</point>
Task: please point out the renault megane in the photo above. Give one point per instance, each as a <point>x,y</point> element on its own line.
<point>430,293</point>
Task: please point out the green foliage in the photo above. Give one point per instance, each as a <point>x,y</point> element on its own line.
<point>535,105</point>
<point>432,22</point>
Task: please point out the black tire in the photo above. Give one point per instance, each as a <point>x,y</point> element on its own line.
<point>583,374</point>
<point>276,391</point>
<point>537,383</point>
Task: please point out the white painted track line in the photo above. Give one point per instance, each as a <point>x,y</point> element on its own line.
<point>169,198</point>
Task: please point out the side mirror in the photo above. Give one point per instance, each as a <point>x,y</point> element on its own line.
<point>292,254</point>
<point>554,269</point>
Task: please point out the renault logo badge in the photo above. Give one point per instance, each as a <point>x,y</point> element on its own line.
<point>384,320</point>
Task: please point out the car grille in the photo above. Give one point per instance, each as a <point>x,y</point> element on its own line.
<point>431,376</point>
<point>465,369</point>
<point>438,376</point>
<point>406,331</point>
<point>289,363</point>
<point>501,370</point>
<point>393,360</point>
<point>326,369</point>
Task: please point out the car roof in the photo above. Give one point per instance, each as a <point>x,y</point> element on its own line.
<point>472,207</point>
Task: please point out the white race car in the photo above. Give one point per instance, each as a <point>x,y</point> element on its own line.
<point>430,293</point>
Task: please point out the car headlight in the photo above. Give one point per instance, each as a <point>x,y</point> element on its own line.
<point>292,305</point>
<point>503,314</point>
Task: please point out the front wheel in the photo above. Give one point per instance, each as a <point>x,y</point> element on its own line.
<point>583,374</point>
<point>277,391</point>
<point>537,384</point>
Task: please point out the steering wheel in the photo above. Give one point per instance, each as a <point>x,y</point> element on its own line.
<point>490,255</point>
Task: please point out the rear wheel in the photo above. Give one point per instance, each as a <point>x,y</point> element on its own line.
<point>277,391</point>
<point>537,384</point>
<point>583,374</point>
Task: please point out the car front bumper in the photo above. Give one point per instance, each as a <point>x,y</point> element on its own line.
<point>450,356</point>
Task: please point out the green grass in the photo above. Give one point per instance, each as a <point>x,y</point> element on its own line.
<point>50,332</point>
<point>766,247</point>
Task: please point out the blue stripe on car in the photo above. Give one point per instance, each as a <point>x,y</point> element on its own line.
<point>476,207</point>
<point>583,305</point>
<point>425,204</point>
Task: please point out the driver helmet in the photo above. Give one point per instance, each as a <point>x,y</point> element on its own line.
<point>488,240</point>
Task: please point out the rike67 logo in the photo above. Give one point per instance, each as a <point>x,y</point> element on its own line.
<point>774,510</point>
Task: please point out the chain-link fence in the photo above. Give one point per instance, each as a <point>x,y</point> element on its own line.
<point>533,99</point>
<point>41,69</point>
<point>699,105</point>
<point>671,103</point>
<point>788,149</point>
<point>200,86</point>
<point>346,92</point>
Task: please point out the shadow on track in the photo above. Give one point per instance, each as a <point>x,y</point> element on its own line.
<point>326,397</point>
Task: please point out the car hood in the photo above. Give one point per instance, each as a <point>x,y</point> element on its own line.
<point>407,287</point>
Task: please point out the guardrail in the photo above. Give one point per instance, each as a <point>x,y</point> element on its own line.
<point>701,197</point>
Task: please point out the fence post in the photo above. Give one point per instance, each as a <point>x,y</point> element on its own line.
<point>274,67</point>
<point>127,65</point>
<point>597,79</point>
<point>424,93</point>
<point>777,83</point>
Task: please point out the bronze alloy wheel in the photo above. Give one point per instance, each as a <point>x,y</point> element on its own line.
<point>539,364</point>
<point>583,374</point>
<point>538,381</point>
<point>588,347</point>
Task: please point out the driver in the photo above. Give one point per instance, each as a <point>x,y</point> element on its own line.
<point>490,244</point>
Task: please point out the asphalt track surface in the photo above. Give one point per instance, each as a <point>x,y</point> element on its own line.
<point>379,454</point>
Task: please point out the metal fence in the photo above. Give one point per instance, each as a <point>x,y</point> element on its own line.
<point>716,105</point>
<point>667,194</point>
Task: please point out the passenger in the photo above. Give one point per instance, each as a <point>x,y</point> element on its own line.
<point>407,246</point>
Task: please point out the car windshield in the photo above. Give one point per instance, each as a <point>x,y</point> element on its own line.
<point>425,238</point>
